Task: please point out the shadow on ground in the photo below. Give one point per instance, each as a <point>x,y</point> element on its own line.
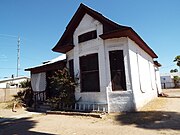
<point>19,127</point>
<point>151,119</point>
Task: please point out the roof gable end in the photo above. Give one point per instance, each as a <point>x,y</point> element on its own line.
<point>110,30</point>
<point>66,41</point>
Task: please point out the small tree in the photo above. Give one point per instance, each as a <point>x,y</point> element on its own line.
<point>173,70</point>
<point>25,96</point>
<point>176,81</point>
<point>177,60</point>
<point>25,84</point>
<point>62,88</point>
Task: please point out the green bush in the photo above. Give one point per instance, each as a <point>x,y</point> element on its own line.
<point>62,88</point>
<point>25,84</point>
<point>24,97</point>
<point>176,81</point>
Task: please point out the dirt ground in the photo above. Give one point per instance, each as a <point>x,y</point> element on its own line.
<point>159,117</point>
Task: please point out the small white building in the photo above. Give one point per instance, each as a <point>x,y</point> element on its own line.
<point>167,80</point>
<point>115,67</point>
<point>12,82</point>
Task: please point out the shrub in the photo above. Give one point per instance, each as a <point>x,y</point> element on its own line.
<point>24,97</point>
<point>176,81</point>
<point>25,84</point>
<point>62,88</point>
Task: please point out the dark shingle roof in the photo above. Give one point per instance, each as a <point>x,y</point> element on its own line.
<point>110,30</point>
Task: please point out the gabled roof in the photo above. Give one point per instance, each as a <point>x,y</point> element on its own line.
<point>110,30</point>
<point>66,41</point>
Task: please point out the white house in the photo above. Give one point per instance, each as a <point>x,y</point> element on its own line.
<point>114,65</point>
<point>12,82</point>
<point>167,80</point>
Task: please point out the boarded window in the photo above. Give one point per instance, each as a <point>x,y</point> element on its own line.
<point>117,70</point>
<point>71,68</point>
<point>89,70</point>
<point>87,36</point>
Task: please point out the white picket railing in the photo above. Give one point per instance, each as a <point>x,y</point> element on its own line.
<point>85,107</point>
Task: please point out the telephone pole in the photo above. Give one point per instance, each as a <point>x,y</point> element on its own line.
<point>18,56</point>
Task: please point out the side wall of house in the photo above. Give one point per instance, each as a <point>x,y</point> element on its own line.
<point>119,100</point>
<point>89,47</point>
<point>142,75</point>
<point>158,80</point>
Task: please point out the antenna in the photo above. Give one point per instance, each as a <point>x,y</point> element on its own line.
<point>18,56</point>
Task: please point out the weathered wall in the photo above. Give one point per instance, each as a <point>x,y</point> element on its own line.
<point>92,46</point>
<point>139,69</point>
<point>119,100</point>
<point>142,75</point>
<point>7,94</point>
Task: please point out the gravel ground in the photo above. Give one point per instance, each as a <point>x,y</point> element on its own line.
<point>159,117</point>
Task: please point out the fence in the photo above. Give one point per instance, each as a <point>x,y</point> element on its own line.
<point>7,94</point>
<point>85,107</point>
<point>169,85</point>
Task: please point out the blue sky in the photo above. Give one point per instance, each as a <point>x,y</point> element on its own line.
<point>40,24</point>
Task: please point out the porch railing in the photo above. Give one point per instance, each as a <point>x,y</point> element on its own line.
<point>85,107</point>
<point>39,96</point>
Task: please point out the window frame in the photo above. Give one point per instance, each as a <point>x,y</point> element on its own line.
<point>87,36</point>
<point>71,68</point>
<point>85,72</point>
<point>117,70</point>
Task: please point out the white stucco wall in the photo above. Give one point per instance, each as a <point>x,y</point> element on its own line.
<point>142,75</point>
<point>158,80</point>
<point>139,69</point>
<point>92,46</point>
<point>119,100</point>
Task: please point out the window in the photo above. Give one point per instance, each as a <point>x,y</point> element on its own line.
<point>89,71</point>
<point>117,70</point>
<point>71,68</point>
<point>87,36</point>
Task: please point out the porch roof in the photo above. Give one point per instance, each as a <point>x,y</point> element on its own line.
<point>54,64</point>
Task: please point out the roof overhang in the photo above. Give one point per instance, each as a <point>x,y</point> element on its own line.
<point>48,67</point>
<point>157,64</point>
<point>67,36</point>
<point>64,48</point>
<point>129,32</point>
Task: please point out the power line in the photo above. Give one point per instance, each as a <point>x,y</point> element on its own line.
<point>6,35</point>
<point>7,68</point>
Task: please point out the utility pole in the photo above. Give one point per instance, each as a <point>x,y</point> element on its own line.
<point>18,56</point>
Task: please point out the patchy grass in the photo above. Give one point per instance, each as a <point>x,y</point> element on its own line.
<point>6,105</point>
<point>155,104</point>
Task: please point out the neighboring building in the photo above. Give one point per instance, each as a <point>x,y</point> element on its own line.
<point>167,80</point>
<point>12,82</point>
<point>115,67</point>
